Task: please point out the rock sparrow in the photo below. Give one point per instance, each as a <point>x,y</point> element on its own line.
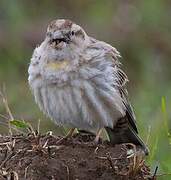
<point>77,81</point>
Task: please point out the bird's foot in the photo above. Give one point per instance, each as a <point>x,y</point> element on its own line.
<point>68,135</point>
<point>97,138</point>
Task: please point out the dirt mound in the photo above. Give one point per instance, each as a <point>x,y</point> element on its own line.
<point>44,157</point>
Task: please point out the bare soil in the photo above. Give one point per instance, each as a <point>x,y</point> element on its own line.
<point>44,157</point>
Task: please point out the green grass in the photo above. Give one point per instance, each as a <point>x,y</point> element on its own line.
<point>160,145</point>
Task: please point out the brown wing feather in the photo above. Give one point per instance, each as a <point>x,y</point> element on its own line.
<point>120,80</point>
<point>120,84</point>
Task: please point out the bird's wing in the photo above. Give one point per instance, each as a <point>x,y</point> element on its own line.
<point>120,84</point>
<point>119,134</point>
<point>120,80</point>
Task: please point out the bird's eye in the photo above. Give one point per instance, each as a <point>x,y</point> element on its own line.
<point>49,34</point>
<point>72,33</point>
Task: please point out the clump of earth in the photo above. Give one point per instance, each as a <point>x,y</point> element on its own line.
<point>46,157</point>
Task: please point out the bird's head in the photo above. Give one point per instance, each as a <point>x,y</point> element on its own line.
<point>63,33</point>
<point>63,44</point>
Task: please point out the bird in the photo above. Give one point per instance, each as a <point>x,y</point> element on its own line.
<point>77,81</point>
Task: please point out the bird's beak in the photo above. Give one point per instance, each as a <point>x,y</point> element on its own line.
<point>61,37</point>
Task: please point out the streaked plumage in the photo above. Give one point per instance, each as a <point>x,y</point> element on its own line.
<point>77,81</point>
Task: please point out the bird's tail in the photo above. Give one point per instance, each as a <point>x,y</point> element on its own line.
<point>126,136</point>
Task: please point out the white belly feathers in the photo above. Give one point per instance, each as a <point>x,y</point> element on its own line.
<point>80,105</point>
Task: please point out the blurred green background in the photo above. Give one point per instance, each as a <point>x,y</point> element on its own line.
<point>140,30</point>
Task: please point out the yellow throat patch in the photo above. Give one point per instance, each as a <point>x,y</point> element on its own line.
<point>59,65</point>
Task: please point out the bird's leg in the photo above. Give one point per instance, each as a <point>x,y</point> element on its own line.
<point>68,135</point>
<point>96,140</point>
